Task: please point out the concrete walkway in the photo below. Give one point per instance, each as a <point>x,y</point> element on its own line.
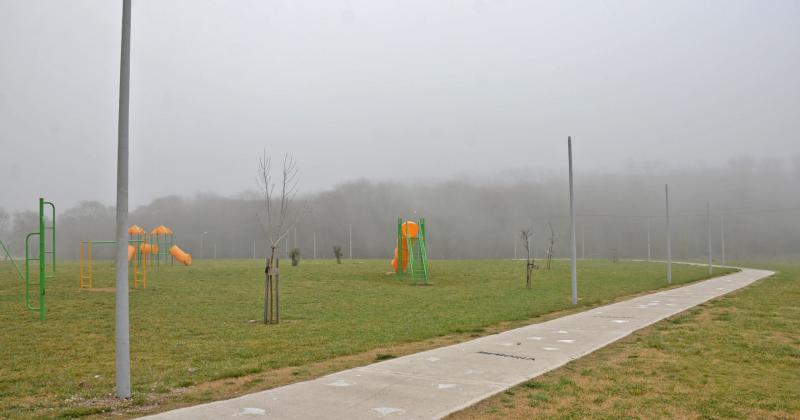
<point>435,383</point>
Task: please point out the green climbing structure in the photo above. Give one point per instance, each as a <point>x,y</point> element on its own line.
<point>411,257</point>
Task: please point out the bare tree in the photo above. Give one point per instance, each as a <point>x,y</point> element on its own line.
<point>526,236</point>
<point>5,220</point>
<point>277,218</point>
<point>553,239</point>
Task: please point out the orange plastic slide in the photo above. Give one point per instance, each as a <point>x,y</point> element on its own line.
<point>180,256</point>
<point>409,229</point>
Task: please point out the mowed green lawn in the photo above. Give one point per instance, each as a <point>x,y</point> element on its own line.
<point>734,357</point>
<point>193,324</point>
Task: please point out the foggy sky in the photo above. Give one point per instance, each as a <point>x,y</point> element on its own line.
<point>387,90</point>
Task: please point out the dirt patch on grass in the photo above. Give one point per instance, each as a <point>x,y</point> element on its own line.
<point>100,289</point>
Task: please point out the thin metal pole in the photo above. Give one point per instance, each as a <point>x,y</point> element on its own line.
<point>708,226</point>
<point>583,240</point>
<point>572,228</point>
<point>42,259</point>
<point>722,237</point>
<point>254,249</point>
<point>315,245</point>
<point>295,236</point>
<point>121,319</point>
<point>515,247</point>
<point>351,240</point>
<point>649,254</point>
<point>669,238</point>
<point>215,250</point>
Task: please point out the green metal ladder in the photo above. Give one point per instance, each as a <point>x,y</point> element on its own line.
<point>418,263</point>
<point>30,283</point>
<point>418,256</point>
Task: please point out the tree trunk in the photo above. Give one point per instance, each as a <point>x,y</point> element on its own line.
<point>277,290</point>
<point>269,293</point>
<point>528,273</point>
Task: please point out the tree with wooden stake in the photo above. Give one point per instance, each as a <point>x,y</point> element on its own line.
<point>526,236</point>
<point>337,252</point>
<point>553,239</point>
<point>277,219</point>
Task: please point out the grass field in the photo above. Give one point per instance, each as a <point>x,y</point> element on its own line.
<point>734,357</point>
<point>193,325</point>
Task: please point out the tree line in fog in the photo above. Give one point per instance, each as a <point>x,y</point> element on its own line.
<point>757,203</point>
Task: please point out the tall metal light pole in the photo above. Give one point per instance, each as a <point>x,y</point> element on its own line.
<point>649,254</point>
<point>722,237</point>
<point>254,249</point>
<point>572,228</point>
<point>708,226</point>
<point>351,240</point>
<point>669,239</point>
<point>122,345</point>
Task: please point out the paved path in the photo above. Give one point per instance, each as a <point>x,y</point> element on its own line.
<point>438,382</point>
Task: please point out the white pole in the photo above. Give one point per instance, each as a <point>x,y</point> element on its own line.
<point>572,227</point>
<point>295,236</point>
<point>649,254</point>
<point>351,241</point>
<point>708,226</point>
<point>669,239</point>
<point>121,319</point>
<point>722,237</point>
<point>583,240</point>
<point>315,245</point>
<point>215,250</point>
<point>515,247</point>
<point>254,249</point>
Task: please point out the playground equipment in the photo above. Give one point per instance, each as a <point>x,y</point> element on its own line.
<point>161,237</point>
<point>180,255</point>
<point>410,256</point>
<point>41,258</point>
<point>142,249</point>
<point>137,259</point>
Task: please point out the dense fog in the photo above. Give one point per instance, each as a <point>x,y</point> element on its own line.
<point>758,201</point>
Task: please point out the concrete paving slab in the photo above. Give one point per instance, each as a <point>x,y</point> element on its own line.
<point>437,382</point>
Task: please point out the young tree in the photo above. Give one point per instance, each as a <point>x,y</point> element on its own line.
<point>527,236</point>
<point>277,218</point>
<point>553,239</point>
<point>295,255</point>
<point>337,252</point>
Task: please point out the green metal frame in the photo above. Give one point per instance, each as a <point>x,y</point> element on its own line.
<point>418,256</point>
<point>41,258</point>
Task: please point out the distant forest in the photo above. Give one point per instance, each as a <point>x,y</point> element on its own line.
<point>758,203</point>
